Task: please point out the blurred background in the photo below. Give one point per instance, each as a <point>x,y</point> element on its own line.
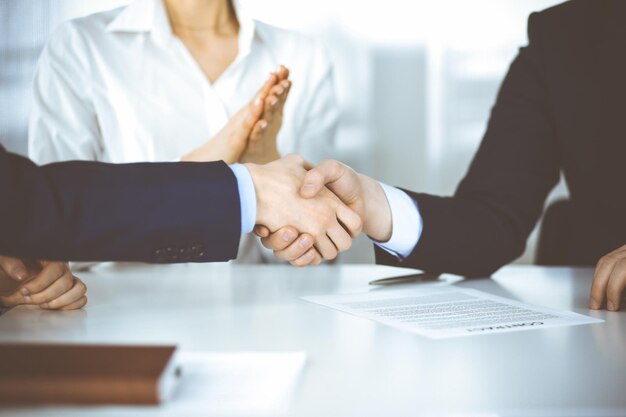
<point>415,79</point>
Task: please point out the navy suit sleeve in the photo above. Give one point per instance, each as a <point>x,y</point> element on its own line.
<point>486,223</point>
<point>89,211</point>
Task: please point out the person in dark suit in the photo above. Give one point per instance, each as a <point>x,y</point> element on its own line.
<point>158,212</point>
<point>560,110</point>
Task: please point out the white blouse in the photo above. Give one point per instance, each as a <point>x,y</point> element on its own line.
<point>119,86</point>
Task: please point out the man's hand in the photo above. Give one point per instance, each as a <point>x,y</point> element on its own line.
<point>323,216</point>
<point>262,146</point>
<point>50,285</point>
<point>362,194</point>
<point>609,281</point>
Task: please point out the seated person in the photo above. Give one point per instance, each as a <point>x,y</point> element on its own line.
<point>559,111</point>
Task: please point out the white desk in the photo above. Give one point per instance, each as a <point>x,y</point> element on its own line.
<point>355,367</point>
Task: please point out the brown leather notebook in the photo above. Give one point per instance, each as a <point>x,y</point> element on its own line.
<point>85,374</point>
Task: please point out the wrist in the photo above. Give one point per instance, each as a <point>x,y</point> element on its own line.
<point>377,223</point>
<point>255,174</point>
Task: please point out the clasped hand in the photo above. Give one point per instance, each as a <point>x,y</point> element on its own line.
<point>328,223</point>
<point>339,204</point>
<point>49,285</point>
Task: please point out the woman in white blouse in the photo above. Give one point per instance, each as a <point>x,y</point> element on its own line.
<point>163,80</point>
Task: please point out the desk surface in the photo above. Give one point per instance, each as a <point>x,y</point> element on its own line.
<point>355,367</point>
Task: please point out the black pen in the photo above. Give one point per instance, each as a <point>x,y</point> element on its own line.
<point>421,277</point>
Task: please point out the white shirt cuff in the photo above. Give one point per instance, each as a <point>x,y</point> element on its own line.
<point>406,223</point>
<point>247,197</point>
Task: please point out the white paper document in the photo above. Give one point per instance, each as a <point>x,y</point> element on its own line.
<point>235,384</point>
<point>449,311</point>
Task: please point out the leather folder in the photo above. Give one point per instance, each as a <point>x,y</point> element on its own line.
<point>34,374</point>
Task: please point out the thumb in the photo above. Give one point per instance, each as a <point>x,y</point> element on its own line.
<point>324,173</point>
<point>261,231</point>
<point>14,268</point>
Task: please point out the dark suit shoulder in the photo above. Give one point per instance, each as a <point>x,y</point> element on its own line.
<point>575,20</point>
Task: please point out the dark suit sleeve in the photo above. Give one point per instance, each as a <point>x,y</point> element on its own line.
<point>486,223</point>
<point>89,211</point>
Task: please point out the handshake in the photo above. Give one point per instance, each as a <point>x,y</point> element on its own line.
<point>304,213</point>
<point>308,213</point>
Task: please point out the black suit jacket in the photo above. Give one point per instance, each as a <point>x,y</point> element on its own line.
<point>89,211</point>
<point>561,108</point>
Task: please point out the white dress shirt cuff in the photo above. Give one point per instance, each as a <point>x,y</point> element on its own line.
<point>406,223</point>
<point>247,197</point>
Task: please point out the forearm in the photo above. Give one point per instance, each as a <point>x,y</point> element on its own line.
<point>86,211</point>
<point>462,236</point>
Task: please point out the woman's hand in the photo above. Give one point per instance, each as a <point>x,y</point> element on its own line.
<point>50,285</point>
<point>230,142</point>
<point>609,281</point>
<point>262,147</point>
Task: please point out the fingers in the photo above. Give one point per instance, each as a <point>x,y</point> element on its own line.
<point>254,110</point>
<point>288,246</point>
<point>340,238</point>
<point>275,101</point>
<point>273,106</point>
<point>297,249</point>
<point>349,220</point>
<point>265,89</point>
<point>280,239</point>
<point>72,299</point>
<point>274,78</point>
<point>76,305</point>
<point>14,268</point>
<point>598,285</point>
<point>609,281</point>
<point>600,280</point>
<point>278,95</point>
<point>282,73</point>
<point>326,172</point>
<point>326,247</point>
<point>281,89</point>
<point>311,257</point>
<point>53,281</point>
<point>616,285</point>
<point>50,272</point>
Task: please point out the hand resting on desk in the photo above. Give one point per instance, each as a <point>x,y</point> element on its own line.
<point>49,285</point>
<point>609,281</point>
